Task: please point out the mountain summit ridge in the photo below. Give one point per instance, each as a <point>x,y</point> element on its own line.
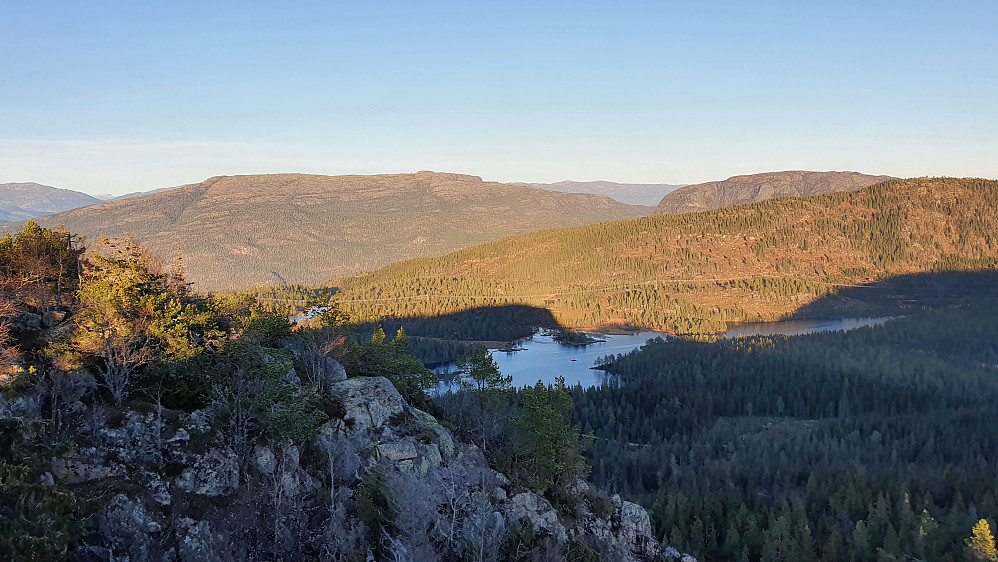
<point>27,200</point>
<point>631,193</point>
<point>751,188</point>
<point>238,232</point>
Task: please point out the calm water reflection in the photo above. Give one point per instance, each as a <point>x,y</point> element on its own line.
<point>542,358</point>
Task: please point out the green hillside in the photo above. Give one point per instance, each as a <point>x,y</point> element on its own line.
<point>694,272</point>
<point>238,232</point>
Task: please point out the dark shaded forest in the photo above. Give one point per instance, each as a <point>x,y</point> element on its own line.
<point>878,443</point>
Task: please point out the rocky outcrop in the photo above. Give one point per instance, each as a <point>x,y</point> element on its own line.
<point>441,436</point>
<point>157,465</point>
<point>635,528</point>
<point>31,321</point>
<point>20,406</point>
<point>89,464</point>
<point>331,371</point>
<point>408,438</point>
<point>52,317</point>
<point>672,554</point>
<point>538,511</point>
<point>397,451</point>
<point>195,541</point>
<point>212,474</point>
<point>129,527</point>
<point>370,402</point>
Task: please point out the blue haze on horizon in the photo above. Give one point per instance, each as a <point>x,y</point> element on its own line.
<point>112,97</point>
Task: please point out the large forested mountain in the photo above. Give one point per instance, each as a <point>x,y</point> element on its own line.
<point>695,272</point>
<point>244,231</point>
<point>738,190</point>
<point>632,193</point>
<point>22,201</point>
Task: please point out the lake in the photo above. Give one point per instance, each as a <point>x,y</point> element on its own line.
<point>804,326</point>
<point>542,358</point>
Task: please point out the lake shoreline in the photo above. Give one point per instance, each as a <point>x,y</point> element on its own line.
<point>541,357</point>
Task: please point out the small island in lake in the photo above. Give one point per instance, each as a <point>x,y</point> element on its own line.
<point>574,337</point>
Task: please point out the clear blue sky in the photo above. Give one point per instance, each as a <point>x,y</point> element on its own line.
<point>110,97</point>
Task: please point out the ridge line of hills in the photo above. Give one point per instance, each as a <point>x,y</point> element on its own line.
<point>26,200</point>
<point>241,232</point>
<point>631,193</point>
<point>779,255</point>
<point>238,232</point>
<point>751,188</point>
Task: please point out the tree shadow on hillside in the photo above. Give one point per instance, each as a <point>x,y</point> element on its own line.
<point>488,323</point>
<point>905,294</point>
<point>439,340</point>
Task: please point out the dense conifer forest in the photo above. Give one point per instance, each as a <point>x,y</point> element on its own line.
<point>873,444</point>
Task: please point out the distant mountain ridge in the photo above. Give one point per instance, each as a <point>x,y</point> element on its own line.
<point>27,200</point>
<point>238,232</point>
<point>631,193</point>
<point>134,194</point>
<point>738,190</point>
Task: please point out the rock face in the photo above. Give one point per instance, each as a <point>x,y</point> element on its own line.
<point>52,317</point>
<point>412,440</point>
<point>195,541</point>
<point>369,402</point>
<point>538,511</point>
<point>179,493</point>
<point>129,527</point>
<point>444,440</point>
<point>332,371</point>
<point>213,474</point>
<point>88,466</point>
<point>635,528</point>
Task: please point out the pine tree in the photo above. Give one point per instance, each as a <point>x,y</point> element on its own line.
<point>928,532</point>
<point>129,317</point>
<point>861,547</point>
<point>480,372</point>
<point>548,447</point>
<point>401,342</point>
<point>779,543</point>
